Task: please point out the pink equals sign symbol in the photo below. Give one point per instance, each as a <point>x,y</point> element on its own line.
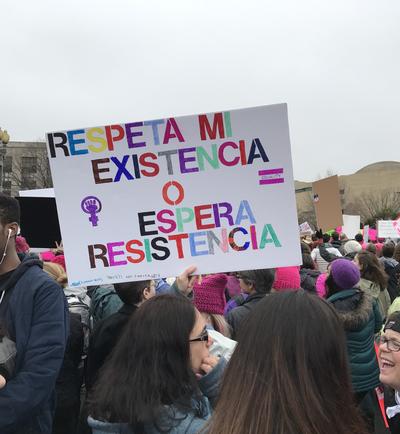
<point>271,176</point>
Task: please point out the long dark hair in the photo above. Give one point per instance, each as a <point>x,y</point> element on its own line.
<point>150,366</point>
<point>297,382</point>
<point>371,269</point>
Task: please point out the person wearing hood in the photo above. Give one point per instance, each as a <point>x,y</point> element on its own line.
<point>361,319</point>
<point>392,269</point>
<point>33,314</point>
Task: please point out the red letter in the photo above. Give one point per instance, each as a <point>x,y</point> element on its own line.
<point>218,123</point>
<point>143,161</point>
<point>165,193</point>
<point>110,138</point>
<point>138,252</point>
<point>178,239</point>
<point>200,217</point>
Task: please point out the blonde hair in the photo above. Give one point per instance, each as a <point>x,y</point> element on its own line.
<point>220,325</point>
<point>56,272</point>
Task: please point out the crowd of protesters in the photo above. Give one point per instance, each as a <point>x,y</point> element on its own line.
<point>296,350</point>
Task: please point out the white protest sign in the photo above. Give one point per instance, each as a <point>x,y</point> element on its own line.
<point>366,233</point>
<point>40,192</point>
<point>305,229</point>
<point>146,199</point>
<point>351,225</point>
<point>388,228</point>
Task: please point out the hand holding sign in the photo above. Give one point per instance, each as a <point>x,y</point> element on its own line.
<point>186,280</point>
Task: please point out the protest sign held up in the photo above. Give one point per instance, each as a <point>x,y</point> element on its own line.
<point>145,199</point>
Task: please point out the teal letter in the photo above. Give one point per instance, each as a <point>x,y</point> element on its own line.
<point>264,237</point>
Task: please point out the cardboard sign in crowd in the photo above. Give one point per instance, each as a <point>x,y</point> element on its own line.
<point>146,199</point>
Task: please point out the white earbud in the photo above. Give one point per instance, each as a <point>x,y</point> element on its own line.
<point>5,248</point>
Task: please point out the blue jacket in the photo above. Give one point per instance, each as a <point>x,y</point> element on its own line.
<point>189,423</point>
<point>36,319</point>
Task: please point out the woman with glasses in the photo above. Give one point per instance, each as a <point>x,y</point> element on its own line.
<point>389,364</point>
<point>161,376</point>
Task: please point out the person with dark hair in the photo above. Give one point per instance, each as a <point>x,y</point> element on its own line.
<point>336,241</point>
<point>359,238</point>
<point>33,314</point>
<point>107,332</point>
<point>291,377</point>
<point>389,364</point>
<point>308,273</point>
<point>255,283</point>
<point>305,248</point>
<point>392,269</point>
<point>325,253</point>
<point>361,319</point>
<point>371,248</point>
<point>161,377</point>
<point>373,280</point>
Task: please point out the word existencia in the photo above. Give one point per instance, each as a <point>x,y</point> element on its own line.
<point>131,166</point>
<point>211,222</point>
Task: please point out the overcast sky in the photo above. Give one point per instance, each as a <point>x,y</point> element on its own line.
<point>70,64</point>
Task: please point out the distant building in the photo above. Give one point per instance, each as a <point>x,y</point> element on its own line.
<point>371,180</point>
<point>25,166</point>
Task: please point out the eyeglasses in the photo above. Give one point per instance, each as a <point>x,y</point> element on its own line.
<point>391,345</point>
<point>202,338</point>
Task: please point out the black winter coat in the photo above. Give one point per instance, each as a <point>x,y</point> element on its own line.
<point>70,379</point>
<point>394,422</point>
<point>237,315</point>
<point>308,278</point>
<point>103,340</point>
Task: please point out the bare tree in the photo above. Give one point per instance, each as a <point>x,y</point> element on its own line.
<point>329,172</point>
<point>307,211</point>
<point>383,205</point>
<point>32,170</point>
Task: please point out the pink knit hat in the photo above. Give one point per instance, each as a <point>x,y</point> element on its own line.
<point>209,296</point>
<point>60,260</point>
<point>320,285</point>
<point>21,245</point>
<point>47,256</point>
<point>287,278</point>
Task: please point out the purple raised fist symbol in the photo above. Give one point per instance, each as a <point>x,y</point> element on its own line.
<point>91,205</point>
